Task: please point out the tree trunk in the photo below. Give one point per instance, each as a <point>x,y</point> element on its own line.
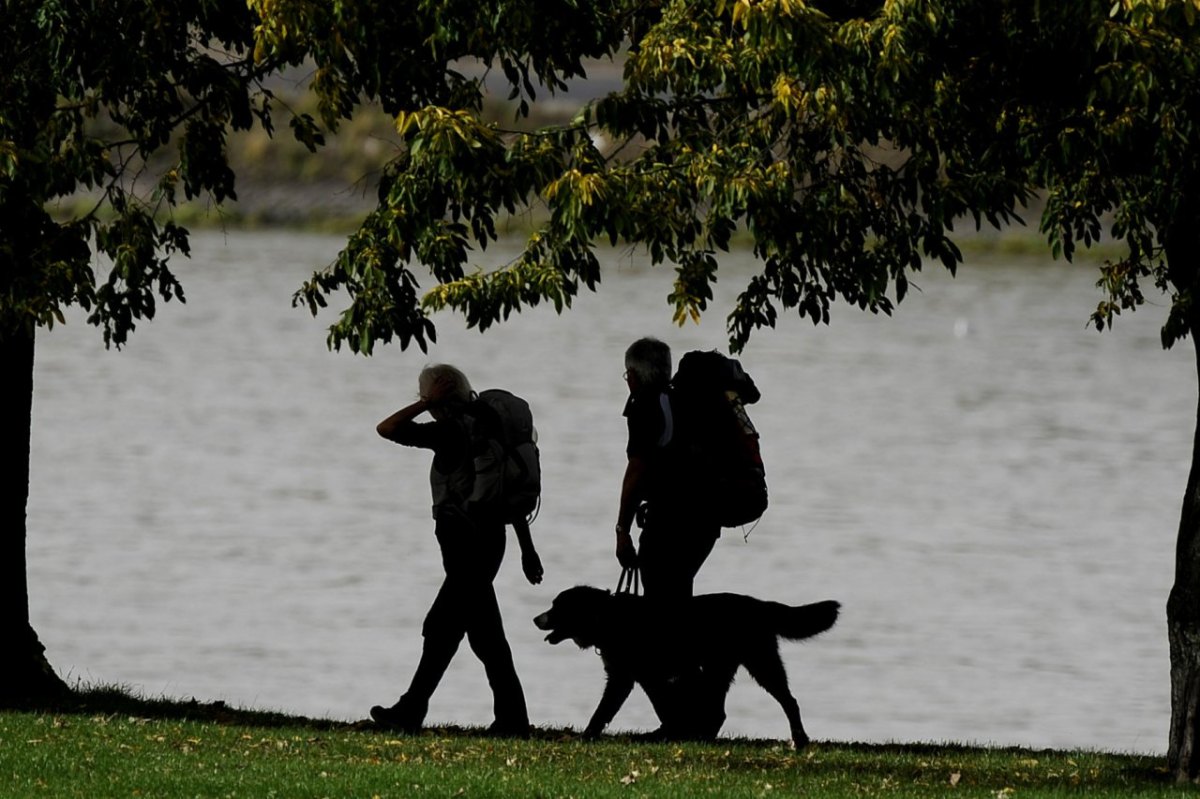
<point>26,678</point>
<point>1182,245</point>
<point>1183,623</point>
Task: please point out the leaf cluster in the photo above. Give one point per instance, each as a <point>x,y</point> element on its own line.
<point>844,139</point>
<point>130,104</point>
<point>811,132</point>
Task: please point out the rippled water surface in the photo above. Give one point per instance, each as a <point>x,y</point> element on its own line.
<point>989,487</point>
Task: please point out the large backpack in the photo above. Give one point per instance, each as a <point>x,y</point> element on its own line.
<point>508,472</point>
<point>715,442</point>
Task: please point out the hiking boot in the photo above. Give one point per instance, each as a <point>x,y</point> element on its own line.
<point>398,718</point>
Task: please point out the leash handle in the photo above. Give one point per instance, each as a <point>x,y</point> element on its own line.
<point>629,582</point>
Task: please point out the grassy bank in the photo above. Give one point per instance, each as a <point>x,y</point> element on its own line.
<point>102,749</point>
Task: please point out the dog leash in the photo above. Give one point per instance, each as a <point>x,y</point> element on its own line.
<point>629,582</point>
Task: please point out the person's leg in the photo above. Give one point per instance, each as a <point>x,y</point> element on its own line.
<point>487,640</point>
<point>672,548</point>
<point>485,635</point>
<point>442,633</point>
<point>659,567</point>
<point>656,556</point>
<point>443,630</point>
<point>694,544</point>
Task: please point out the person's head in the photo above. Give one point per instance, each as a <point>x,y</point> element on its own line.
<point>444,387</point>
<point>647,363</point>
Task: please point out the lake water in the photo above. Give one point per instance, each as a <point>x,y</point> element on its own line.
<point>989,487</point>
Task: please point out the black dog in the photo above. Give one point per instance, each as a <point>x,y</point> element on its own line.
<point>685,654</point>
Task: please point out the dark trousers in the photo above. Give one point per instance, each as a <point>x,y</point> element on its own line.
<point>673,546</point>
<point>466,606</point>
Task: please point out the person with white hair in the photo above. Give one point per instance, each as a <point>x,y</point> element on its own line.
<point>472,541</point>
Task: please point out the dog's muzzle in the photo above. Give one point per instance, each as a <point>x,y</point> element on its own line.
<point>543,622</point>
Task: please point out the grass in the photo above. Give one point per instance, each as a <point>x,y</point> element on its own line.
<point>111,745</point>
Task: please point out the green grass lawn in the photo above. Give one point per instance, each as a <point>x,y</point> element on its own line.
<point>148,749</point>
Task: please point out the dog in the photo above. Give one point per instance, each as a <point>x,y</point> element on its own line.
<point>684,655</point>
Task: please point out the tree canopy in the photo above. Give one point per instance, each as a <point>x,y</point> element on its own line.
<point>767,118</point>
<point>94,96</point>
<point>845,141</point>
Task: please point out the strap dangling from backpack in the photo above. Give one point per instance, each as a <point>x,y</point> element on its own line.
<point>630,582</point>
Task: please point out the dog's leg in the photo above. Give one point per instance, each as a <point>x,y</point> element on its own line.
<point>691,705</point>
<point>674,703</point>
<point>710,699</point>
<point>768,671</point>
<point>665,706</point>
<point>617,688</point>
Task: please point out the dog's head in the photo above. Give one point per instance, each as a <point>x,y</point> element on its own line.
<point>577,613</point>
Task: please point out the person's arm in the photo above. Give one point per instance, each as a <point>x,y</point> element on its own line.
<point>531,564</point>
<point>390,427</point>
<point>632,491</point>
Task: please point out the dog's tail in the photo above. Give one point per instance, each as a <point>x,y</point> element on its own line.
<point>805,621</point>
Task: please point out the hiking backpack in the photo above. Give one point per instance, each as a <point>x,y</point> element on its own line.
<point>716,442</point>
<point>507,465</point>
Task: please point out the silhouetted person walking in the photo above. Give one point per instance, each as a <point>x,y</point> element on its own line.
<point>472,541</point>
<point>677,536</point>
